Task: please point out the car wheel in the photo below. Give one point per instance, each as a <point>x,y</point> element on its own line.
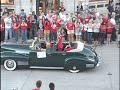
<point>74,67</point>
<point>10,65</point>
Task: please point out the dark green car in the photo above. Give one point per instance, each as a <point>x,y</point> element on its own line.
<point>21,55</point>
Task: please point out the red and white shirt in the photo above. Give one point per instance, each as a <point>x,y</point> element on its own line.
<point>70,25</point>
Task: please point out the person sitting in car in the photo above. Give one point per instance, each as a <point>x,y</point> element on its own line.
<point>69,47</point>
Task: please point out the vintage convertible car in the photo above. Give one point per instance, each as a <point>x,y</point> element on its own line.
<point>21,55</point>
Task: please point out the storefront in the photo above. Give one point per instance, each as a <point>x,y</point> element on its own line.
<point>45,5</point>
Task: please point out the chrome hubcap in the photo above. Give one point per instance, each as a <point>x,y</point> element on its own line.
<point>10,64</point>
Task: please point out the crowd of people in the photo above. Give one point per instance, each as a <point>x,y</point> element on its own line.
<point>90,27</point>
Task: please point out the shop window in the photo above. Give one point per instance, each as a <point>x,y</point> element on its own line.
<point>99,6</point>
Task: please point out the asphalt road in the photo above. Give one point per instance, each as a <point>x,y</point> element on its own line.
<point>104,77</point>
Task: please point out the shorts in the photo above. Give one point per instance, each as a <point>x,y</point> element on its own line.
<point>95,36</point>
<point>70,31</point>
<point>109,32</point>
<point>47,32</point>
<point>77,31</point>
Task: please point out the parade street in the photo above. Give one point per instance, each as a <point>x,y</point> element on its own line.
<point>104,77</point>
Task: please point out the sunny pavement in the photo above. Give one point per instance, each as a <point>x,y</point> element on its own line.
<point>104,77</point>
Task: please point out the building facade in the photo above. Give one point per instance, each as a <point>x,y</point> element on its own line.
<point>45,5</point>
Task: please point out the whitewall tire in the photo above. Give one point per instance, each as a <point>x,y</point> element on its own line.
<point>10,65</point>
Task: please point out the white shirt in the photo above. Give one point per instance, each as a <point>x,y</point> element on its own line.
<point>8,22</point>
<point>63,16</point>
<point>112,20</point>
<point>90,26</point>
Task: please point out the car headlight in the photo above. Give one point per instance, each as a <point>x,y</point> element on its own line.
<point>91,59</point>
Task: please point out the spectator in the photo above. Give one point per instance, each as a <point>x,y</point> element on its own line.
<point>2,27</point>
<point>24,30</point>
<point>78,29</point>
<point>35,16</point>
<point>84,31</point>
<point>52,86</point>
<point>38,85</point>
<point>110,8</point>
<point>70,30</point>
<point>103,28</point>
<point>96,31</point>
<point>54,31</point>
<point>33,28</point>
<point>90,32</point>
<point>79,7</point>
<point>40,30</point>
<point>109,31</point>
<point>112,20</point>
<point>8,27</point>
<point>22,15</point>
<point>47,28</point>
<point>15,28</point>
<point>5,11</point>
<point>29,20</point>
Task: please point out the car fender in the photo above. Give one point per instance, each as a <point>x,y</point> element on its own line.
<point>79,59</point>
<point>21,59</point>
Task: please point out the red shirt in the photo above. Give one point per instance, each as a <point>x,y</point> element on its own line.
<point>109,27</point>
<point>103,28</point>
<point>47,26</point>
<point>81,19</point>
<point>36,89</point>
<point>70,26</point>
<point>24,26</point>
<point>54,28</point>
<point>59,21</point>
<point>2,26</point>
<point>60,44</point>
<point>87,19</point>
<point>29,21</point>
<point>15,26</point>
<point>105,20</point>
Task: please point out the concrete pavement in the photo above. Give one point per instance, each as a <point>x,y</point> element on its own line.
<point>104,77</point>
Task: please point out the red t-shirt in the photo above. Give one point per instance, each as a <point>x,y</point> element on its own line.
<point>54,28</point>
<point>103,28</point>
<point>109,27</point>
<point>81,19</point>
<point>105,19</point>
<point>59,21</point>
<point>87,19</point>
<point>15,25</point>
<point>47,26</point>
<point>29,21</point>
<point>23,26</point>
<point>70,26</point>
<point>36,89</point>
<point>2,26</point>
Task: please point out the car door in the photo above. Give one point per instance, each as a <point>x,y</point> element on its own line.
<point>56,58</point>
<point>37,58</point>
